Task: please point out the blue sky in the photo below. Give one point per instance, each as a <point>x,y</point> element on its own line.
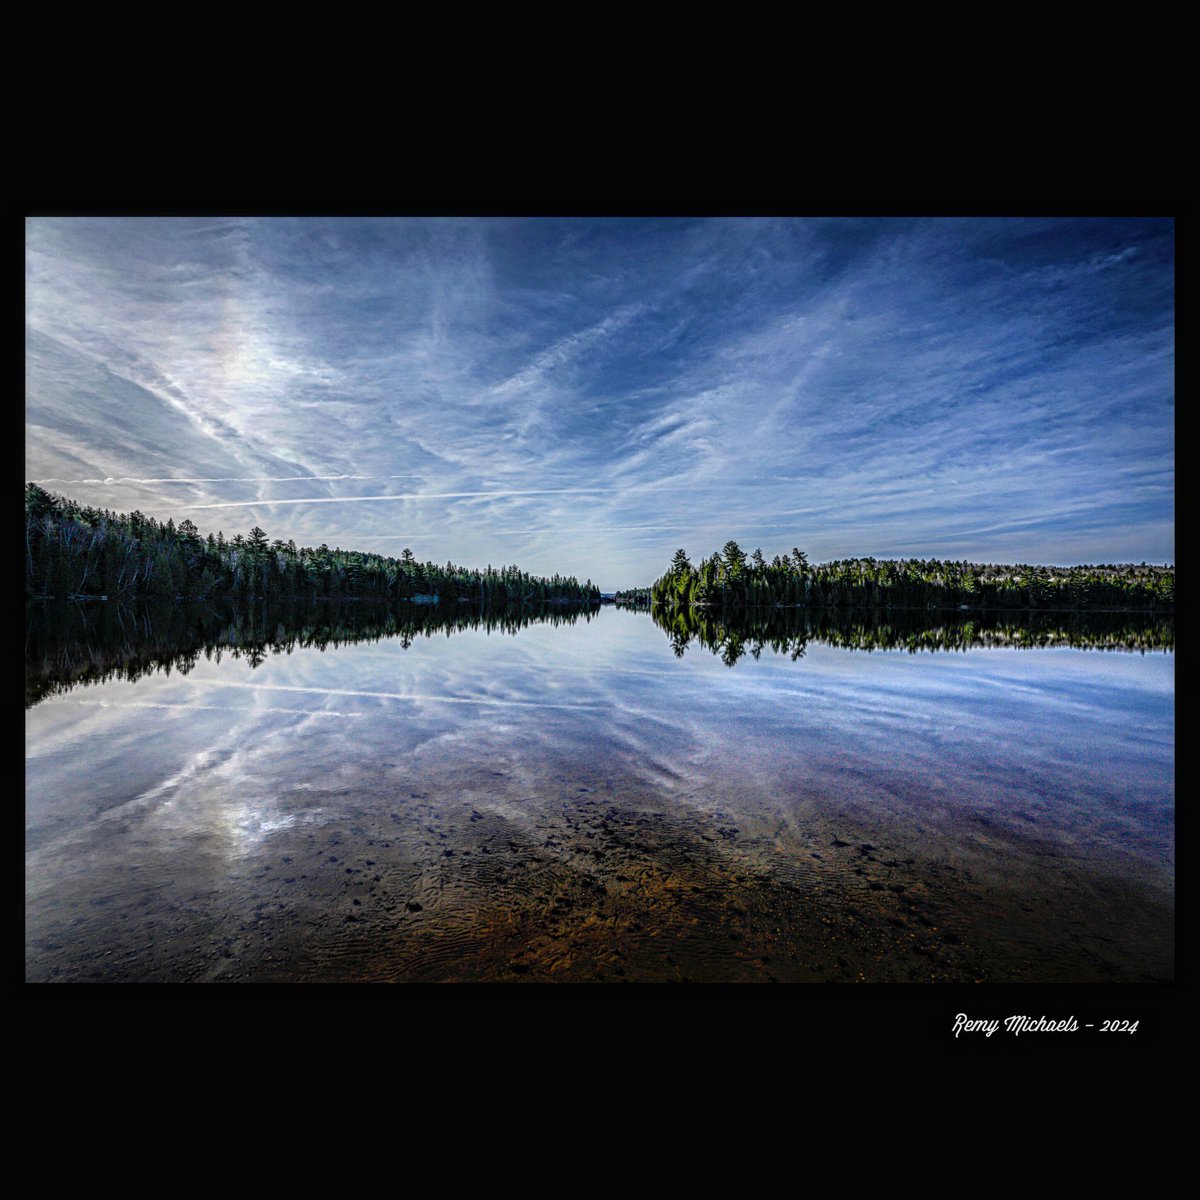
<point>584,396</point>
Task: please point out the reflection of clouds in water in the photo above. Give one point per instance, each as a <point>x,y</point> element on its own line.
<point>55,725</point>
<point>1005,763</point>
<point>147,820</point>
<point>403,696</point>
<point>666,754</point>
<point>500,717</point>
<point>171,786</point>
<point>248,796</point>
<point>225,798</point>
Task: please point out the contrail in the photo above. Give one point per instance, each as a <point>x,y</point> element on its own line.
<point>305,712</point>
<point>398,496</point>
<point>400,537</point>
<point>279,687</point>
<point>229,479</point>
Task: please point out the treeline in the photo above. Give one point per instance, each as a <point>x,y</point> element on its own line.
<point>74,551</point>
<point>730,579</point>
<point>787,631</point>
<point>638,597</point>
<point>69,644</point>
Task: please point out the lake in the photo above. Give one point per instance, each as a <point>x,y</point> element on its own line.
<point>594,798</point>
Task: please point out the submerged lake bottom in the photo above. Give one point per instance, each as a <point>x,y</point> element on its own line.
<point>587,800</point>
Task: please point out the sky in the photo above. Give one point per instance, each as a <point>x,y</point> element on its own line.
<point>584,396</point>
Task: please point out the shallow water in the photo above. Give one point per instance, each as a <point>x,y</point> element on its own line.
<point>575,802</point>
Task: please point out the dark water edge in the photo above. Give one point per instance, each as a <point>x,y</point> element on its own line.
<point>787,631</point>
<point>604,884</point>
<point>588,843</point>
<point>68,644</point>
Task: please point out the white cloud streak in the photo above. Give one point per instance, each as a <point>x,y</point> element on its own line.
<point>399,496</point>
<point>303,712</point>
<point>228,479</point>
<point>984,389</point>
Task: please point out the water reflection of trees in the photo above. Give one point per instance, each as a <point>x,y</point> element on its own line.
<point>788,631</point>
<point>70,644</point>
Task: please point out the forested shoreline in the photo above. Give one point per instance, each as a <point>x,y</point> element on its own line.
<point>633,597</point>
<point>74,551</point>
<point>732,580</point>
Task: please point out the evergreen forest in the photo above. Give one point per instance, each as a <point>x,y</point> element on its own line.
<point>732,580</point>
<point>73,551</point>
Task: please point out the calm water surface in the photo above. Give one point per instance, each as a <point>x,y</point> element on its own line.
<point>575,802</point>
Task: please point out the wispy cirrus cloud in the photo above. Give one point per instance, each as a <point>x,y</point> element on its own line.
<point>226,479</point>
<point>396,496</point>
<point>584,395</point>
